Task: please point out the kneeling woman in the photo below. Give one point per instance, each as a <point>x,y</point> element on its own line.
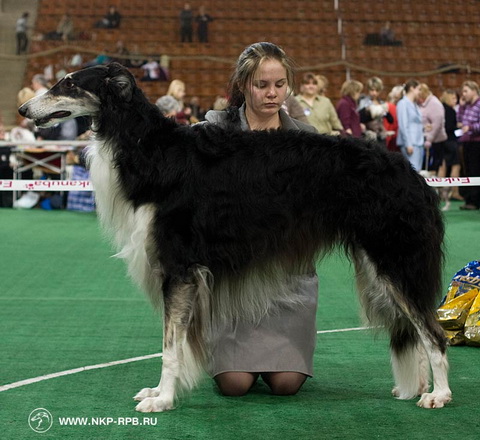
<point>279,347</point>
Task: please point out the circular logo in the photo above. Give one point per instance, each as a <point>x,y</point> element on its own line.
<point>40,420</point>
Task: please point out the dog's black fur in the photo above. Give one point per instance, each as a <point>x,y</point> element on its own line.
<point>228,203</point>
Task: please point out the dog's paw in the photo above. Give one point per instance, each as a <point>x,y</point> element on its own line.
<point>434,400</point>
<point>146,392</point>
<point>154,404</point>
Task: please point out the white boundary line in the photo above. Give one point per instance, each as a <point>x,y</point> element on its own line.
<point>21,383</point>
<point>33,380</point>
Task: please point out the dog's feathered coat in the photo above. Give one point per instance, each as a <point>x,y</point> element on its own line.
<point>213,221</point>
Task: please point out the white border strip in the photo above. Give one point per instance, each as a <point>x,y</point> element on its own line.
<point>86,185</point>
<point>45,185</point>
<point>33,380</point>
<point>453,181</point>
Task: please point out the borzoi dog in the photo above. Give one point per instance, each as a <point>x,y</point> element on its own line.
<point>211,223</point>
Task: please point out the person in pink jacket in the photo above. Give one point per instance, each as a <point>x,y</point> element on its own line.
<point>433,117</point>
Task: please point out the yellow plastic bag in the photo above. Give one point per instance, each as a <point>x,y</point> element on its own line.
<point>472,323</point>
<point>455,337</point>
<point>453,313</point>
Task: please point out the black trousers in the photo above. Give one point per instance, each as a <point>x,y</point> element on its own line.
<point>471,159</point>
<point>22,42</point>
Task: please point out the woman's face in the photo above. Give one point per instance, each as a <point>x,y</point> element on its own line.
<point>179,92</point>
<point>416,92</point>
<point>469,95</point>
<point>267,91</point>
<point>310,89</point>
<point>452,99</point>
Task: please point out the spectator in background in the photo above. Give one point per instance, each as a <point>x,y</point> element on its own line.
<point>39,84</point>
<point>469,120</point>
<point>168,105</point>
<point>203,19</point>
<point>387,35</point>
<point>153,71</point>
<point>197,112</point>
<point>294,109</point>
<point>99,60</point>
<point>220,103</point>
<point>319,110</point>
<point>111,20</point>
<point>322,82</point>
<point>392,127</point>
<point>452,155</point>
<point>410,126</point>
<point>64,30</point>
<point>433,117</point>
<point>21,28</point>
<point>347,108</point>
<point>373,111</point>
<point>186,24</point>
<point>177,90</point>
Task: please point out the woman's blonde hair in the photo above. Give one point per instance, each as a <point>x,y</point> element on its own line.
<point>247,65</point>
<point>24,95</point>
<point>351,87</point>
<point>425,91</point>
<point>174,88</point>
<point>446,94</point>
<point>472,85</point>
<point>375,83</point>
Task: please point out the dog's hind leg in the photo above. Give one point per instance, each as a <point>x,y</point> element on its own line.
<point>417,341</point>
<point>186,307</point>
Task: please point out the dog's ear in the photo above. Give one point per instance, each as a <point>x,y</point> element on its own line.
<point>121,79</point>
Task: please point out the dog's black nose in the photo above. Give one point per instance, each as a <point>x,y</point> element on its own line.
<point>23,110</point>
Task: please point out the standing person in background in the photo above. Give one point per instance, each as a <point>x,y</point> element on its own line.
<point>347,108</point>
<point>186,24</point>
<point>373,111</point>
<point>203,19</point>
<point>21,28</point>
<point>433,117</point>
<point>452,155</point>
<point>469,120</point>
<point>319,110</point>
<point>279,347</point>
<point>410,126</point>
<point>391,127</point>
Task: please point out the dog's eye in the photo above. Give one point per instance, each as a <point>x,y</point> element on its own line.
<point>69,84</point>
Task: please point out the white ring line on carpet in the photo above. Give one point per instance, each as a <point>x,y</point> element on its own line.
<point>33,380</point>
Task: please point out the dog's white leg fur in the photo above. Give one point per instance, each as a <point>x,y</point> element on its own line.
<point>441,393</point>
<point>411,372</point>
<point>162,397</point>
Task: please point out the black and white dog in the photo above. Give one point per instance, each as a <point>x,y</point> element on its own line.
<point>211,223</point>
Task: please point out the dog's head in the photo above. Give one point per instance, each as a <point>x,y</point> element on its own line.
<point>80,93</point>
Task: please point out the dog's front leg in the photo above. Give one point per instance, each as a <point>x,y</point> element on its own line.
<point>162,397</point>
<point>181,361</point>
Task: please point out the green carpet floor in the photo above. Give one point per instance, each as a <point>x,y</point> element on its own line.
<point>64,304</point>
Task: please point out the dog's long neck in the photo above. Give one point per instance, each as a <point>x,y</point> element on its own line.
<point>135,136</point>
<point>125,124</point>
